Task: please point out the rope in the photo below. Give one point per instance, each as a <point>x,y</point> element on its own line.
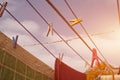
<point>70,39</point>
<point>56,32</point>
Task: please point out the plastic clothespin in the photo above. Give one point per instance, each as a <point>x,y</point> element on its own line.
<point>86,63</point>
<point>2,9</point>
<point>61,56</point>
<point>75,21</point>
<point>50,29</point>
<point>15,41</point>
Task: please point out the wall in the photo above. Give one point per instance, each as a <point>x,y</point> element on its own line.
<point>18,64</point>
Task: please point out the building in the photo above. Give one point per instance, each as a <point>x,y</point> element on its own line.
<point>18,64</point>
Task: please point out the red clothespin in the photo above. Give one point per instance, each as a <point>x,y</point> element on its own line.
<point>50,29</point>
<point>2,9</point>
<point>15,41</point>
<point>95,57</point>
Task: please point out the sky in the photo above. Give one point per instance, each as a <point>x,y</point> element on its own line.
<point>99,17</point>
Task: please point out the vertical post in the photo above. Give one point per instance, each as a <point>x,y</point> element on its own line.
<point>119,71</point>
<point>118,8</point>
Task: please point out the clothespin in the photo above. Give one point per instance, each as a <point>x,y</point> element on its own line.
<point>61,56</point>
<point>75,21</point>
<point>2,9</point>
<point>119,70</point>
<point>15,41</point>
<point>50,29</point>
<point>86,63</point>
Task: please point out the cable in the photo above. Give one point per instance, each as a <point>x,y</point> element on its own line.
<point>56,31</point>
<point>29,32</point>
<point>85,31</point>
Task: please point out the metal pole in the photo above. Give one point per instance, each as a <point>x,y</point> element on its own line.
<point>118,8</point>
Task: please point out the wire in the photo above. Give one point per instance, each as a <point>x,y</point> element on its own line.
<point>56,10</point>
<point>29,32</point>
<point>71,47</point>
<point>48,1</point>
<point>89,36</point>
<point>85,31</point>
<point>37,11</point>
<point>56,32</point>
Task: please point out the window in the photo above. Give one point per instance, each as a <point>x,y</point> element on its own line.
<point>30,72</point>
<point>9,61</point>
<point>19,77</point>
<point>20,67</point>
<point>6,74</point>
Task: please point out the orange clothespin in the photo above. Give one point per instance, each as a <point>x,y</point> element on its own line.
<point>15,41</point>
<point>50,29</point>
<point>75,21</point>
<point>2,9</point>
<point>119,71</point>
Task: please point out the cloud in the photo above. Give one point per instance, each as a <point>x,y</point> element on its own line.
<point>13,5</point>
<point>31,26</point>
<point>105,45</point>
<point>108,44</point>
<point>55,48</point>
<point>10,26</point>
<point>109,50</point>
